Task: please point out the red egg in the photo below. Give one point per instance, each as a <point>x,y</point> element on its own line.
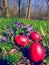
<point>35,36</point>
<point>36,52</point>
<point>21,40</point>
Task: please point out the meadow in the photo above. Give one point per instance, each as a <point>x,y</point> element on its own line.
<point>40,26</point>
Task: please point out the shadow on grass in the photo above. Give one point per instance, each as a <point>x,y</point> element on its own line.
<point>25,53</point>
<point>4,62</point>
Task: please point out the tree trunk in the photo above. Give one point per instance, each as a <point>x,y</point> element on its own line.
<point>48,9</point>
<point>19,6</point>
<point>47,1</point>
<point>6,8</point>
<point>28,10</point>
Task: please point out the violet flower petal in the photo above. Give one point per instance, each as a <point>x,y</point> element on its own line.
<point>27,26</point>
<point>5,39</point>
<point>27,35</point>
<point>22,33</point>
<point>30,29</point>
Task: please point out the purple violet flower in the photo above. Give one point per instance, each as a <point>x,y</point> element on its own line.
<point>22,33</point>
<point>14,35</point>
<point>5,39</point>
<point>18,24</point>
<point>30,29</point>
<point>27,26</point>
<point>17,28</point>
<point>8,29</point>
<point>27,35</point>
<point>9,33</point>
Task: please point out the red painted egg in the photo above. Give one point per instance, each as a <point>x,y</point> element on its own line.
<point>21,40</point>
<point>36,52</point>
<point>35,36</point>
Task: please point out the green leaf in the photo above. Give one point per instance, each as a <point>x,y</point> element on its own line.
<point>47,60</point>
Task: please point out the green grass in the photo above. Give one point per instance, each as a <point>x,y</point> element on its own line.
<point>35,24</point>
